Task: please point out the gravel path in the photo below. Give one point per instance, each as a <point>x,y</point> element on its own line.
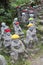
<point>38,61</point>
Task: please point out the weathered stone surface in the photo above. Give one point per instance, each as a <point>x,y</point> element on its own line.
<point>38,61</point>
<point>2,60</point>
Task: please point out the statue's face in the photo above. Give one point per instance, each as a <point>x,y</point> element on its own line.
<point>16,40</point>
<point>31,28</point>
<point>23,15</point>
<point>17,25</point>
<point>8,33</point>
<point>3,26</point>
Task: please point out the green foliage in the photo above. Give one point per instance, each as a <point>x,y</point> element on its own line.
<point>7,15</point>
<point>1,11</point>
<point>19,2</point>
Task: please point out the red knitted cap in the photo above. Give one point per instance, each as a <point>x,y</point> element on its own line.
<point>7,30</point>
<point>24,10</point>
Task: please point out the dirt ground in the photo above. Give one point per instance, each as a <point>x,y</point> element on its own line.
<point>37,59</point>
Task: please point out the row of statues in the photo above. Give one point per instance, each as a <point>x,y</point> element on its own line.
<point>12,43</point>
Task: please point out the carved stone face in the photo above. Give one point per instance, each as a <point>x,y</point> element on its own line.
<point>16,40</point>
<point>31,28</point>
<point>8,33</point>
<point>17,25</point>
